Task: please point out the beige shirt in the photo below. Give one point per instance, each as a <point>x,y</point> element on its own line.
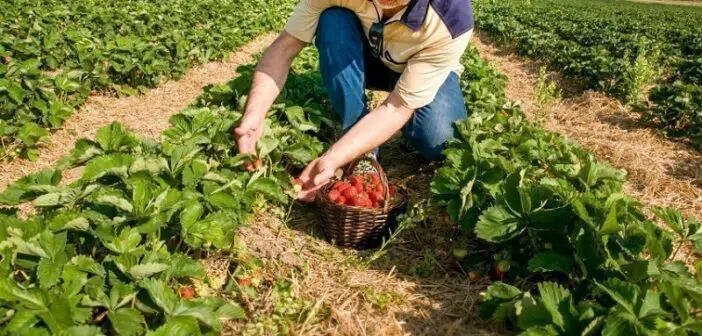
<point>424,57</point>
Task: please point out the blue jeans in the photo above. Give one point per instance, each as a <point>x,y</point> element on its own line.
<point>348,69</point>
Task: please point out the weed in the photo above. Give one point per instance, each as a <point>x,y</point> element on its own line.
<point>547,92</point>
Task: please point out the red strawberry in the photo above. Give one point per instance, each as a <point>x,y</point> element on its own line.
<point>186,292</point>
<point>341,186</point>
<point>351,192</point>
<point>376,196</point>
<point>392,189</point>
<point>357,182</point>
<point>341,200</point>
<point>333,195</point>
<point>374,178</point>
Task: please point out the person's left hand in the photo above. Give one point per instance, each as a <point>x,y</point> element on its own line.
<point>315,176</point>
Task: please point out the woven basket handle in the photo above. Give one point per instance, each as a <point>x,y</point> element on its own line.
<point>381,174</point>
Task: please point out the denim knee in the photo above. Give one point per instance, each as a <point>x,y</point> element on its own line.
<point>334,25</point>
<point>433,125</point>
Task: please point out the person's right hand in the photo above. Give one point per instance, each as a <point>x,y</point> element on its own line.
<point>247,134</point>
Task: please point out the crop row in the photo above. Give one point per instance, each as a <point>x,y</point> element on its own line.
<point>576,256</point>
<point>107,252</point>
<point>54,54</point>
<point>619,48</point>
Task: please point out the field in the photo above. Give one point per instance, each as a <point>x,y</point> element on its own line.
<point>158,230</point>
<point>620,48</point>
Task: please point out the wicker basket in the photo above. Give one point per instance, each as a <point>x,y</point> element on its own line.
<point>359,227</point>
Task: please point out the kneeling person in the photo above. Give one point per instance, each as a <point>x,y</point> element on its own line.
<point>411,48</point>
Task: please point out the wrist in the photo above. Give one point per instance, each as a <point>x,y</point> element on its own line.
<point>331,159</point>
<point>252,117</point>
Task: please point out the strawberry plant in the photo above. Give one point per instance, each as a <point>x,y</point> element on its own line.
<point>573,253</point>
<point>620,48</point>
<point>113,252</point>
<point>110,46</point>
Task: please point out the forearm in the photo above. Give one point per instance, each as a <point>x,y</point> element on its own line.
<point>370,132</point>
<point>270,76</point>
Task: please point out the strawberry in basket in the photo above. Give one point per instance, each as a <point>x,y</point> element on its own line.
<point>361,190</point>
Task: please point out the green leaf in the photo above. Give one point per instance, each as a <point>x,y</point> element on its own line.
<point>552,297</point>
<point>178,326</point>
<point>31,133</point>
<point>266,145</point>
<point>191,213</point>
<point>619,324</point>
<point>651,305</point>
<point>49,270</point>
<point>161,294</point>
<point>22,319</point>
<point>625,294</point>
<point>82,331</point>
<point>498,301</point>
<point>498,225</point>
<point>269,187</point>
<point>30,298</point>
<point>540,331</point>
<point>672,218</point>
<point>551,261</point>
<point>296,116</point>
<point>116,201</point>
<point>115,138</point>
<point>611,225</point>
<point>127,321</point>
<point>147,270</point>
<point>111,164</point>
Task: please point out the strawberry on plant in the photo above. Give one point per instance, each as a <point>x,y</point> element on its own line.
<point>473,276</point>
<point>186,292</point>
<point>244,281</point>
<point>501,268</point>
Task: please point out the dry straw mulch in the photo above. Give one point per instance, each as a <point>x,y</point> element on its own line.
<point>661,172</point>
<point>147,115</point>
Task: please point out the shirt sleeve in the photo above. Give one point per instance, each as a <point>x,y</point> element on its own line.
<point>427,70</point>
<point>303,23</point>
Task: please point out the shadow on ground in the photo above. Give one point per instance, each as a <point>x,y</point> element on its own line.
<point>423,290</point>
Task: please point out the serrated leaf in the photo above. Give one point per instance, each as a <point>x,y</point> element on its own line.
<point>127,321</point>
<point>551,261</point>
<point>49,270</point>
<point>611,225</point>
<point>497,225</point>
<point>146,270</point>
<point>116,201</point>
<point>161,294</point>
<point>625,294</point>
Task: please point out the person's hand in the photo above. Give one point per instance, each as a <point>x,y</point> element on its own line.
<point>247,134</point>
<point>316,175</point>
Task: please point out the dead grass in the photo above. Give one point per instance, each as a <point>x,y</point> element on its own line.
<point>413,289</point>
<point>146,114</point>
<point>672,2</point>
<point>661,172</point>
